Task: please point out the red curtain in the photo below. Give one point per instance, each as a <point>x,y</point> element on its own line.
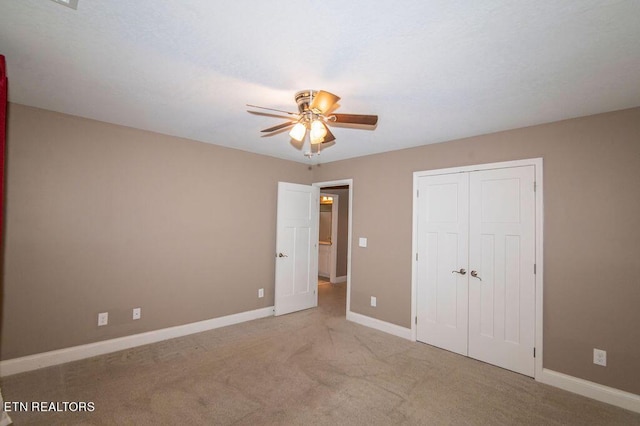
<point>3,135</point>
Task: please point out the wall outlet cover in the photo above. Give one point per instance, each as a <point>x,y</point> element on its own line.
<point>137,313</point>
<point>374,301</point>
<point>600,357</point>
<point>261,292</point>
<point>103,318</point>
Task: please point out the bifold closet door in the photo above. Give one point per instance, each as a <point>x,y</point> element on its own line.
<point>502,254</point>
<point>443,235</point>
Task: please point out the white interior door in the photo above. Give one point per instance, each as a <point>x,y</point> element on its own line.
<point>502,254</point>
<point>443,225</point>
<point>296,248</point>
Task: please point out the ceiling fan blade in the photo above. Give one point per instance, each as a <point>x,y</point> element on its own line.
<point>273,109</point>
<point>323,101</point>
<point>369,120</point>
<point>270,114</point>
<point>278,127</point>
<point>328,137</point>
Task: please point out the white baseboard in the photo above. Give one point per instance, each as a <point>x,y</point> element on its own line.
<point>342,279</point>
<point>619,398</point>
<point>74,353</point>
<point>387,327</point>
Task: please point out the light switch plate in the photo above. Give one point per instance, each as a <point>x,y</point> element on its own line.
<point>362,242</point>
<point>374,301</point>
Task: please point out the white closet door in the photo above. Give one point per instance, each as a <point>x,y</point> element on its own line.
<point>443,222</point>
<point>502,254</point>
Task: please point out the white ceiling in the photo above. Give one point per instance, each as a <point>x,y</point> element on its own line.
<point>432,70</point>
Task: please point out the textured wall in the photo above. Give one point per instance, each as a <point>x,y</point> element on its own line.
<point>591,235</point>
<point>108,218</point>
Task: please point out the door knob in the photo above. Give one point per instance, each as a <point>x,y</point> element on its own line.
<point>282,255</point>
<point>474,274</point>
<point>462,271</point>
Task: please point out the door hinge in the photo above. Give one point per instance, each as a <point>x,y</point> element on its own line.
<point>534,352</point>
<point>416,257</point>
<point>535,186</point>
<point>535,268</point>
<point>417,193</point>
<point>416,320</point>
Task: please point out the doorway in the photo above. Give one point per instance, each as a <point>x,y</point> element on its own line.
<point>337,281</point>
<point>328,236</point>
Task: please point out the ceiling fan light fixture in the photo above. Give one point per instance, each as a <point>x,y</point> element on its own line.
<point>318,131</point>
<point>298,132</point>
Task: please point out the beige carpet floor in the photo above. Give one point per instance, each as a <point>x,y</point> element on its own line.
<point>310,367</point>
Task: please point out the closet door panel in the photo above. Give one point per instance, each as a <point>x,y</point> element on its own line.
<point>443,225</point>
<point>502,257</point>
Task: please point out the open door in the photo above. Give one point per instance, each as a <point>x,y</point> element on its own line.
<point>296,248</point>
<point>4,417</point>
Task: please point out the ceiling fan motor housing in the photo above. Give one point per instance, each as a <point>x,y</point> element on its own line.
<point>303,99</point>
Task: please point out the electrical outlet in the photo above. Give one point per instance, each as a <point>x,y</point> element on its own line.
<point>103,318</point>
<point>600,357</point>
<point>374,301</point>
<point>137,313</point>
<point>261,292</point>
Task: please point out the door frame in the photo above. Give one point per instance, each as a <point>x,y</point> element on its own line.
<point>349,183</point>
<point>539,228</point>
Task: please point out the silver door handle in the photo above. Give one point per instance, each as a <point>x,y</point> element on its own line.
<point>282,255</point>
<point>474,274</point>
<point>462,271</point>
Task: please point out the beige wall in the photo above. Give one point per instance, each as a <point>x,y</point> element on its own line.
<point>591,235</point>
<point>107,218</point>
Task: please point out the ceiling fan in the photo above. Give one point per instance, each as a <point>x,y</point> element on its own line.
<point>315,113</point>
